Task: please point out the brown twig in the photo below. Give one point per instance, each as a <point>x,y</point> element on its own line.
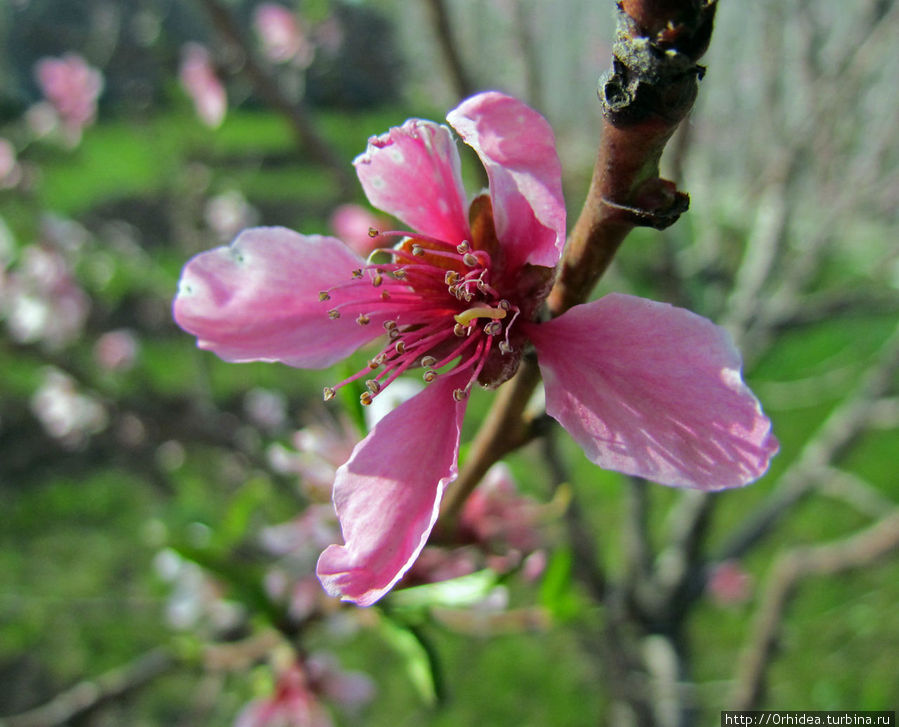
<point>307,136</point>
<point>90,694</point>
<point>458,74</point>
<point>857,551</point>
<point>648,91</point>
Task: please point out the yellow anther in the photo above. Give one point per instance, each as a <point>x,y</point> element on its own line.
<point>467,316</point>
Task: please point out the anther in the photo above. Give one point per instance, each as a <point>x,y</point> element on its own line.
<point>429,376</point>
<point>377,280</point>
<point>385,295</point>
<point>493,327</point>
<point>365,398</point>
<point>372,232</point>
<point>463,247</point>
<point>373,386</point>
<point>470,260</point>
<point>505,347</point>
<point>357,273</point>
<point>418,250</point>
<point>451,277</point>
<point>333,314</point>
<point>460,330</point>
<point>328,393</point>
<point>362,319</point>
<point>428,361</point>
<point>389,325</point>
<point>460,394</point>
<point>323,296</point>
<point>400,347</point>
<point>393,334</point>
<point>504,304</point>
<point>399,274</point>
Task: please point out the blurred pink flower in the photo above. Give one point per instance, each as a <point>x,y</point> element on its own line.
<point>116,350</point>
<point>42,301</point>
<point>65,412</point>
<point>10,172</point>
<point>282,37</point>
<point>644,388</point>
<point>352,223</point>
<point>298,689</point>
<point>202,85</point>
<point>72,87</point>
<point>729,584</point>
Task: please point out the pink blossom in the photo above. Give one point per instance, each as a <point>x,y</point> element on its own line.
<point>645,388</point>
<point>72,87</point>
<point>729,584</point>
<point>299,687</point>
<point>10,171</point>
<point>202,85</point>
<point>116,350</point>
<point>282,37</point>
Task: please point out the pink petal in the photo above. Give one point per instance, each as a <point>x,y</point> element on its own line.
<point>655,391</point>
<point>413,172</point>
<point>258,299</point>
<point>388,494</point>
<point>518,149</point>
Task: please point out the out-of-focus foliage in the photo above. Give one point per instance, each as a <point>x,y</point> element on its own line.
<point>141,480</point>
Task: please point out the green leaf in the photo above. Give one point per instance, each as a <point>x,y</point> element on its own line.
<point>455,593</point>
<point>419,658</point>
<point>557,593</point>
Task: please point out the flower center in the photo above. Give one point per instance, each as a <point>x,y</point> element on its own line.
<point>444,314</point>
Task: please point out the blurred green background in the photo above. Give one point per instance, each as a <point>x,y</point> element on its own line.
<point>119,451</point>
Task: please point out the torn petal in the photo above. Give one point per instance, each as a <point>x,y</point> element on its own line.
<point>413,172</point>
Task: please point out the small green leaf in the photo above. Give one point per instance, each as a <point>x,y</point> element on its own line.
<point>455,593</point>
<point>419,658</point>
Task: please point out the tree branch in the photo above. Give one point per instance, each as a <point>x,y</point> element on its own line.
<point>307,136</point>
<point>857,551</point>
<point>90,694</point>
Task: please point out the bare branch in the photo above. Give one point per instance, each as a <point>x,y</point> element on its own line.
<point>841,428</point>
<point>857,551</point>
<point>307,136</point>
<point>90,694</point>
<point>459,76</point>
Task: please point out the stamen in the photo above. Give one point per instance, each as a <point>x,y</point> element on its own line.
<point>418,250</point>
<point>463,247</point>
<point>373,386</point>
<point>357,273</point>
<point>323,296</point>
<point>460,394</point>
<point>429,376</point>
<point>428,361</point>
<point>505,347</point>
<point>362,319</point>
<point>389,325</point>
<point>493,328</point>
<point>365,398</point>
<point>377,280</point>
<point>333,314</point>
<point>460,330</point>
<point>400,347</point>
<point>372,232</point>
<point>470,260</point>
<point>328,393</point>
